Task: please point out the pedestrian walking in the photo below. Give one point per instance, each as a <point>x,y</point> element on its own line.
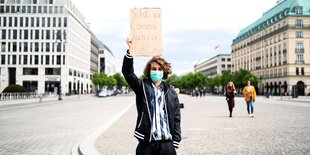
<point>249,96</point>
<point>230,96</point>
<point>158,122</point>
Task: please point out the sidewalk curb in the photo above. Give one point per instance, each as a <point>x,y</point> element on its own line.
<point>87,146</point>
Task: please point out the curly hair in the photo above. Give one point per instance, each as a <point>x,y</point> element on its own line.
<point>162,63</point>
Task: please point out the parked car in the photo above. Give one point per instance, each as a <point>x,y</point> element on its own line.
<point>103,93</point>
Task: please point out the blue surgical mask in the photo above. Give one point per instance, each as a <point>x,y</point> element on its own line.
<point>156,75</point>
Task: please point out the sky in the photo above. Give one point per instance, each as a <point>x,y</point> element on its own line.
<point>191,29</point>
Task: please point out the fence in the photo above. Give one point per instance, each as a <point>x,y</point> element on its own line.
<point>17,96</point>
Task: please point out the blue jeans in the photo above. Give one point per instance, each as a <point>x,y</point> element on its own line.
<point>250,106</point>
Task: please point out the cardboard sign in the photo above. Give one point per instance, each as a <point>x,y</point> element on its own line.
<point>146,31</point>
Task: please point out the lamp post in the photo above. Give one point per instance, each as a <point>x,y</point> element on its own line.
<point>59,41</point>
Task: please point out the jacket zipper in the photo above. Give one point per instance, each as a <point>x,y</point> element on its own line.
<point>167,110</point>
<point>141,120</point>
<point>148,109</point>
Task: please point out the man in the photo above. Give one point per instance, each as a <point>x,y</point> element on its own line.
<point>249,95</point>
<point>158,127</point>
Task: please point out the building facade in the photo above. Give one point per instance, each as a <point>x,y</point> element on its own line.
<point>107,62</point>
<point>214,66</point>
<point>45,46</point>
<point>94,58</point>
<point>276,48</point>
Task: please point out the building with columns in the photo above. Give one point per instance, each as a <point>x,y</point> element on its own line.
<point>214,66</point>
<point>276,48</point>
<point>45,46</point>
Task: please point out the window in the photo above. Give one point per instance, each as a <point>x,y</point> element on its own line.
<point>47,47</point>
<point>1,9</point>
<point>299,23</point>
<point>302,71</point>
<point>59,21</point>
<point>48,22</point>
<point>45,9</point>
<point>28,9</point>
<point>40,9</point>
<point>299,47</point>
<point>58,59</point>
<point>299,34</point>
<point>21,21</point>
<point>54,21</point>
<point>14,46</point>
<point>30,71</point>
<point>31,86</point>
<point>38,21</point>
<point>25,59</point>
<point>61,9</point>
<point>297,71</point>
<point>37,34</point>
<point>298,10</point>
<point>2,59</point>
<point>10,21</point>
<point>36,59</point>
<point>47,59</point>
<point>32,22</point>
<point>27,22</point>
<point>3,34</point>
<point>3,46</point>
<point>223,59</point>
<point>43,22</point>
<point>4,21</point>
<point>15,21</point>
<point>299,58</point>
<point>34,9</point>
<point>25,46</point>
<point>50,9</point>
<point>52,71</point>
<point>50,2</point>
<point>36,47</point>
<point>48,36</point>
<point>56,9</point>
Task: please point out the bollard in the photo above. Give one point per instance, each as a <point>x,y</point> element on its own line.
<point>40,98</point>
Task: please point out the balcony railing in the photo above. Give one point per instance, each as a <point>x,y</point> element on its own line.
<point>299,50</point>
<point>299,61</point>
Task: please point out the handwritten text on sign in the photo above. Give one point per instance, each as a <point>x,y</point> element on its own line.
<point>145,28</point>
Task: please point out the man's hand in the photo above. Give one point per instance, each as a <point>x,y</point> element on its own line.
<point>129,41</point>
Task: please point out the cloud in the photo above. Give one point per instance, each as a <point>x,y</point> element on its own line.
<point>191,29</point>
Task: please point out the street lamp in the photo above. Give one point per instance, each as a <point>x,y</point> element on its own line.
<point>59,40</point>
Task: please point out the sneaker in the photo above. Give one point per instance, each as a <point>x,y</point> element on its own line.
<point>252,115</point>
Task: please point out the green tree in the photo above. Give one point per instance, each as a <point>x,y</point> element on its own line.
<point>242,76</point>
<point>111,82</point>
<point>225,78</point>
<point>100,79</point>
<point>120,80</point>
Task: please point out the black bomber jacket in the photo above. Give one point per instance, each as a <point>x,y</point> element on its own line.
<point>142,89</point>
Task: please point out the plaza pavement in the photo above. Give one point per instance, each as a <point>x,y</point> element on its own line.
<point>280,126</point>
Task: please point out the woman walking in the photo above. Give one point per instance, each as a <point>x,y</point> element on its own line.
<point>230,96</point>
<point>249,96</point>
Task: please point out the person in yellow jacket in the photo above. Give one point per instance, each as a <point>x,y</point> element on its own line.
<point>249,95</point>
